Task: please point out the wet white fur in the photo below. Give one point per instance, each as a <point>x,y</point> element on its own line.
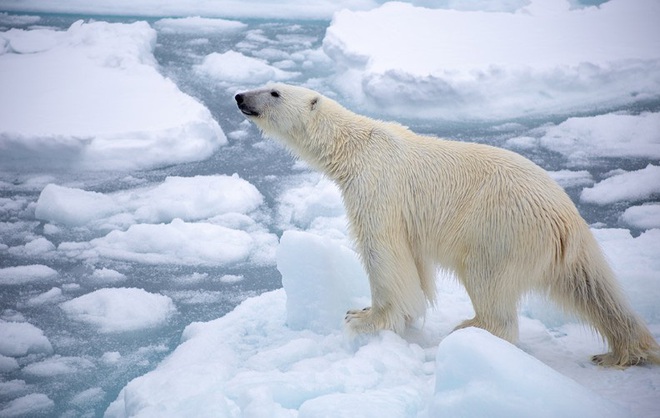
<point>492,217</point>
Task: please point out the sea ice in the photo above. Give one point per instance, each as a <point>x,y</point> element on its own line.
<point>21,338</point>
<point>643,216</point>
<point>198,25</point>
<point>478,374</point>
<point>630,187</point>
<point>233,67</point>
<point>33,404</point>
<point>339,282</point>
<point>421,63</point>
<point>127,115</point>
<point>120,309</point>
<point>26,274</point>
<point>57,365</point>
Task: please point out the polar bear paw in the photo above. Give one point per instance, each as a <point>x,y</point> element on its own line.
<point>361,321</point>
<point>370,320</point>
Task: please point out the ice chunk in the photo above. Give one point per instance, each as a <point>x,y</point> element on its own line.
<point>26,274</point>
<point>13,388</point>
<point>643,217</point>
<point>34,404</point>
<point>314,205</point>
<point>609,135</point>
<point>198,25</point>
<point>54,295</point>
<point>188,198</point>
<point>21,338</point>
<point>121,309</point>
<point>58,365</point>
<point>7,364</point>
<point>106,275</point>
<point>88,397</point>
<point>102,103</point>
<point>478,374</point>
<point>322,280</point>
<point>175,243</point>
<point>73,207</point>
<point>234,67</point>
<point>568,178</point>
<point>478,65</point>
<point>631,187</point>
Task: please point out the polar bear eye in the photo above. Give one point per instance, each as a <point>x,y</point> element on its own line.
<point>274,93</point>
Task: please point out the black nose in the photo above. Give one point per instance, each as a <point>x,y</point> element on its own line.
<point>239,98</point>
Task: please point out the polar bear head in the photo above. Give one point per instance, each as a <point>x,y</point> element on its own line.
<point>280,110</point>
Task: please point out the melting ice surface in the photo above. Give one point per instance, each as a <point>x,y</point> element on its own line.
<point>159,258</point>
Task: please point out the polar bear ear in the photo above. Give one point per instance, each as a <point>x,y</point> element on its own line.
<point>313,103</point>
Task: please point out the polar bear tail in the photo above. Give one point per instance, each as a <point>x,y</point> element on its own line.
<point>587,287</point>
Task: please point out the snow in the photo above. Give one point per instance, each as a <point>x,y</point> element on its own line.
<point>631,187</point>
<point>485,66</point>
<point>283,352</point>
<point>149,121</point>
<point>233,67</point>
<point>57,366</point>
<point>188,198</point>
<point>609,135</point>
<point>21,338</point>
<point>120,309</point>
<point>198,25</point>
<point>183,220</point>
<point>643,217</point>
<point>102,271</point>
<point>339,281</point>
<point>26,274</point>
<point>478,374</point>
<point>34,403</point>
<point>54,295</point>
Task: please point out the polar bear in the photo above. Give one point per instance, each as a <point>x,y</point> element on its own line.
<point>416,203</point>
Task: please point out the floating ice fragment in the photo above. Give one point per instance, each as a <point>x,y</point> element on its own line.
<point>120,310</point>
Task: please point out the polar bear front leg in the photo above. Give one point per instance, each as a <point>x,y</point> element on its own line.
<point>396,292</point>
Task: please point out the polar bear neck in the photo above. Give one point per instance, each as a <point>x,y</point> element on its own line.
<point>334,139</point>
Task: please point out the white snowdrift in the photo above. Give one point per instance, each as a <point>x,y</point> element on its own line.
<point>411,61</point>
<point>92,97</point>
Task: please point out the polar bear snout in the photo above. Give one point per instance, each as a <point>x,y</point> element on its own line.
<point>245,106</point>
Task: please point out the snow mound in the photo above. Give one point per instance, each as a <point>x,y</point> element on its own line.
<point>642,217</point>
<point>630,187</point>
<point>120,310</point>
<point>233,67</point>
<point>478,374</point>
<point>26,274</point>
<point>57,366</point>
<point>102,103</point>
<point>187,198</point>
<point>20,339</point>
<point>480,65</point>
<point>201,220</point>
<point>34,404</point>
